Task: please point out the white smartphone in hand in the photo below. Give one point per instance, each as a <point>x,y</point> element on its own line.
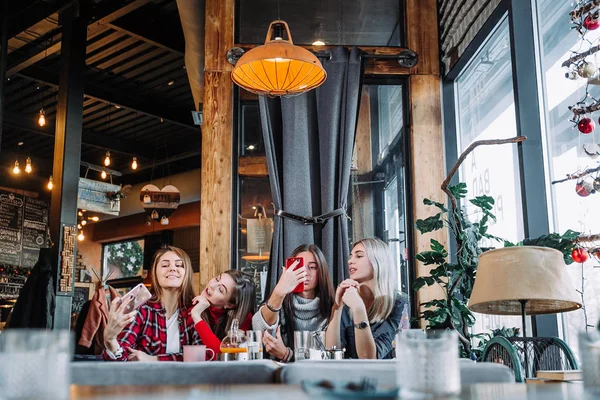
<point>138,295</point>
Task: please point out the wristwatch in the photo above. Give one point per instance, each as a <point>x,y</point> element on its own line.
<point>362,325</point>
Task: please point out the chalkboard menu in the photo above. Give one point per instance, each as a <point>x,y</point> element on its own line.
<point>23,223</point>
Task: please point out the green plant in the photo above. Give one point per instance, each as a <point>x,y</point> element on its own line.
<point>457,277</point>
<point>484,338</point>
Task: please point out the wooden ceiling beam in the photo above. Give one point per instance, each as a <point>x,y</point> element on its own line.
<point>109,94</point>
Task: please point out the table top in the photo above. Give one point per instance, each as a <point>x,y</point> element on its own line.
<point>512,391</point>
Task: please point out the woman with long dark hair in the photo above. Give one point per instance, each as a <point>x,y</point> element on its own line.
<point>228,296</point>
<point>285,312</point>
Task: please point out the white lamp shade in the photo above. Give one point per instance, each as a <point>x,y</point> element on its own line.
<point>532,273</point>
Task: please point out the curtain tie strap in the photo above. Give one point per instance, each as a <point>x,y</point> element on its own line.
<point>320,219</point>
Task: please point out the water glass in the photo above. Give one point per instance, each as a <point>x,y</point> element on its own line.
<point>36,364</point>
<point>427,365</point>
<point>317,350</point>
<point>255,345</point>
<point>589,350</point>
<point>302,340</point>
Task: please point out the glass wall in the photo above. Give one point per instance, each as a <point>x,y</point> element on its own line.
<point>485,109</point>
<point>565,151</point>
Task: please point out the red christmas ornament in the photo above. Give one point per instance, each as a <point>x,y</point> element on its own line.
<point>581,189</point>
<point>591,22</point>
<point>586,125</point>
<point>579,255</point>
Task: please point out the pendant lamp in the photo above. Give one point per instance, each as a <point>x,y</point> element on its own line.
<point>278,68</point>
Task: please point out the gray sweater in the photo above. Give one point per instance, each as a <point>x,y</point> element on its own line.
<point>307,317</point>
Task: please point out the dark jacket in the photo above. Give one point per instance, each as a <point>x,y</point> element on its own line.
<point>384,332</point>
<point>35,306</point>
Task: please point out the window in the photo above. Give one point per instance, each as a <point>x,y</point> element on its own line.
<point>565,154</point>
<point>123,259</point>
<point>486,110</point>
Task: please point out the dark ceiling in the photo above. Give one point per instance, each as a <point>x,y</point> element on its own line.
<point>137,100</point>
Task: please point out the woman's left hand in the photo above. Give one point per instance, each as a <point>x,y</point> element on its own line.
<point>274,345</point>
<point>137,355</point>
<point>352,299</point>
<point>200,305</point>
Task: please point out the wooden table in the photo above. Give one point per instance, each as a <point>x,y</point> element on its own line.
<point>483,391</point>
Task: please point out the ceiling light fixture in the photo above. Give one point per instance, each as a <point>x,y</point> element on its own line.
<point>94,218</point>
<point>42,118</point>
<point>103,174</point>
<point>83,222</point>
<point>107,159</point>
<point>50,183</point>
<point>16,169</point>
<point>171,82</point>
<point>278,67</point>
<point>318,43</point>
<point>28,167</point>
<point>251,147</point>
<point>80,237</point>
<point>134,163</point>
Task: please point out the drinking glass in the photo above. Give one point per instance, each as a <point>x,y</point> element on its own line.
<point>317,350</point>
<point>255,345</point>
<point>589,350</point>
<point>36,364</point>
<point>427,365</point>
<point>302,345</point>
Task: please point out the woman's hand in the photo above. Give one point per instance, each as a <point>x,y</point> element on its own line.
<point>290,279</point>
<point>201,303</point>
<point>352,299</point>
<point>117,318</point>
<point>274,345</point>
<point>341,290</point>
<point>138,355</point>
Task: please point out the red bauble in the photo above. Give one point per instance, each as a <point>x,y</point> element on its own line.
<point>586,125</point>
<point>591,22</point>
<point>579,255</point>
<point>581,190</point>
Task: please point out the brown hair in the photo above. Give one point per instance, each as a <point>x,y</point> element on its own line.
<point>324,291</point>
<point>186,290</point>
<point>243,299</point>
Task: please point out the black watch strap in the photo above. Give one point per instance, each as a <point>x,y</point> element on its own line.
<point>273,309</point>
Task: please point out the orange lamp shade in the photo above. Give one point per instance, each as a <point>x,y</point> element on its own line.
<point>278,68</point>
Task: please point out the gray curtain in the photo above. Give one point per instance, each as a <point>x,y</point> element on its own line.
<point>309,140</point>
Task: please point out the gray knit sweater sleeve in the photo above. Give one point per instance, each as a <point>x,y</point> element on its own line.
<point>259,323</point>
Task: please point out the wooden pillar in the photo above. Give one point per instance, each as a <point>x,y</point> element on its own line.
<point>3,58</point>
<point>217,171</point>
<point>67,156</point>
<point>426,138</point>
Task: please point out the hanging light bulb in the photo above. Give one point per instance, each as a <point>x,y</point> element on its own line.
<point>28,168</point>
<point>50,183</point>
<point>164,220</point>
<point>80,237</point>
<point>79,226</point>
<point>16,169</point>
<point>134,163</point>
<point>80,213</point>
<point>94,218</point>
<point>83,222</point>
<point>42,118</point>
<point>154,214</point>
<point>103,174</point>
<point>147,199</point>
<point>107,159</point>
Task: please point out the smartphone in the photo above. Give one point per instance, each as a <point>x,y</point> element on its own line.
<point>288,263</point>
<point>140,295</point>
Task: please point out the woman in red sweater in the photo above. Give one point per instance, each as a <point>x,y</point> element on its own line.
<point>228,296</point>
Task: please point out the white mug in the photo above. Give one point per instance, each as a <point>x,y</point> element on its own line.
<point>194,353</point>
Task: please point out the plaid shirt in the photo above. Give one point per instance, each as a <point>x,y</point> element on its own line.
<point>148,333</point>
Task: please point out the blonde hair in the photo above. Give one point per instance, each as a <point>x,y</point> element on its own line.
<point>186,290</point>
<point>385,278</point>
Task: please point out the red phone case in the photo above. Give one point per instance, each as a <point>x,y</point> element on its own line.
<point>140,294</point>
<point>288,263</point>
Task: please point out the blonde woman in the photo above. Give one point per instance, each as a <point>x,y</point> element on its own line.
<point>368,308</point>
<point>159,329</point>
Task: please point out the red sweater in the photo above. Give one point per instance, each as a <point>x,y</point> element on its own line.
<point>206,334</point>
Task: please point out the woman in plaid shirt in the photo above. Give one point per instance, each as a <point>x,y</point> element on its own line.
<point>159,328</point>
